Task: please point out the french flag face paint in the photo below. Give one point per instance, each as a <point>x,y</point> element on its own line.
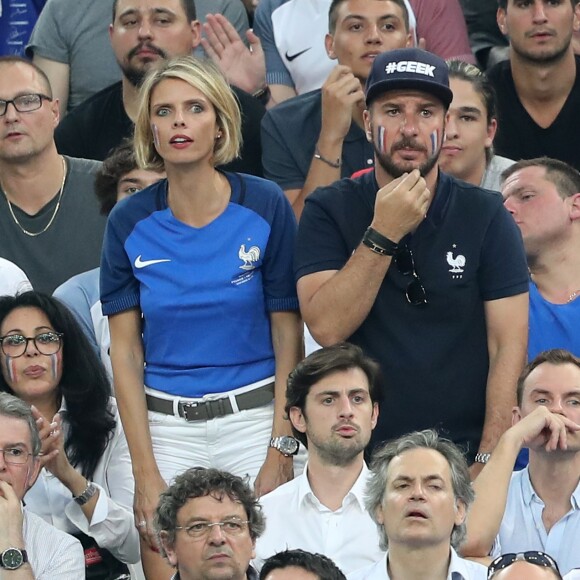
<point>435,142</point>
<point>55,361</point>
<point>155,134</point>
<point>381,139</point>
<point>11,369</point>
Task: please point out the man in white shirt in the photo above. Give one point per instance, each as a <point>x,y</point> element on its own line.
<point>537,508</point>
<point>30,549</point>
<point>419,494</point>
<point>332,403</point>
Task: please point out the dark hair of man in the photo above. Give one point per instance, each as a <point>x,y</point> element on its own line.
<point>201,482</point>
<point>427,439</point>
<point>19,60</point>
<point>555,356</point>
<point>84,384</point>
<point>335,5</point>
<point>187,5</point>
<point>503,4</point>
<point>15,408</point>
<point>563,176</point>
<point>322,566</point>
<point>120,161</point>
<point>326,361</point>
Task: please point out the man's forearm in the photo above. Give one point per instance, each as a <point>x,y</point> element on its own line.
<point>340,305</point>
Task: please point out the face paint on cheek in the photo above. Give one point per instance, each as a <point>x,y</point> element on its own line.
<point>155,134</point>
<point>11,369</point>
<point>435,142</point>
<point>381,139</point>
<point>55,365</point>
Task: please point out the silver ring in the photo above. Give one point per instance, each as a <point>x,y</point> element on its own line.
<point>142,524</point>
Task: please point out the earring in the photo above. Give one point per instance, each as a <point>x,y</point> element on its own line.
<point>219,134</point>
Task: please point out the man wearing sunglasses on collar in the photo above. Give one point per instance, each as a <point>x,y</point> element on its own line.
<point>424,272</point>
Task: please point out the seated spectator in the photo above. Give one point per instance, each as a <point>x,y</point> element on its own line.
<point>86,486</point>
<point>207,523</point>
<point>70,43</point>
<point>538,88</point>
<point>300,565</point>
<point>467,151</point>
<point>315,139</point>
<point>12,279</point>
<point>45,196</point>
<point>543,196</point>
<point>419,495</point>
<point>30,549</point>
<point>529,565</point>
<point>138,49</point>
<point>293,37</point>
<point>118,177</point>
<point>537,508</point>
<point>332,402</point>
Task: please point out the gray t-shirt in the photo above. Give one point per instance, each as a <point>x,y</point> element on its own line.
<point>72,243</point>
<point>76,32</point>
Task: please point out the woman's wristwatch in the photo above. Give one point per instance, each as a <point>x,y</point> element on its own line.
<point>87,494</point>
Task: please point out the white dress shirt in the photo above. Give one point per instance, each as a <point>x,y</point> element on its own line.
<point>459,569</point>
<point>295,518</point>
<point>522,527</point>
<point>52,554</point>
<point>112,524</point>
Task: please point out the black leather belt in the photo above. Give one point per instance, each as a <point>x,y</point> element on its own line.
<point>205,410</point>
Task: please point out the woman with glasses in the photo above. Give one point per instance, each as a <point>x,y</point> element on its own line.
<point>86,486</point>
<point>196,279</point>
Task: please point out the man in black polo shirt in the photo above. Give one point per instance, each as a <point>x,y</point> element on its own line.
<point>142,33</point>
<point>437,289</point>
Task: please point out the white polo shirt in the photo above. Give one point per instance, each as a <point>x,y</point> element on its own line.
<point>522,527</point>
<point>295,518</point>
<point>459,569</point>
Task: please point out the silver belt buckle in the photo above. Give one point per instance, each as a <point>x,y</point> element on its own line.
<point>191,411</point>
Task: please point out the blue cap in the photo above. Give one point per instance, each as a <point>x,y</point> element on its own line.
<point>409,68</point>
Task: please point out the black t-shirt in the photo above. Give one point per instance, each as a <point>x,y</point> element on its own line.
<point>519,137</point>
<point>95,127</point>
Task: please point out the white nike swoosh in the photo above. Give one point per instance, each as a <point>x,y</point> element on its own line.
<point>144,263</point>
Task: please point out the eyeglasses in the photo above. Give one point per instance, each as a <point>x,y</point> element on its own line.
<point>15,345</point>
<point>200,529</point>
<point>15,455</point>
<point>533,557</point>
<point>415,292</point>
<point>24,103</point>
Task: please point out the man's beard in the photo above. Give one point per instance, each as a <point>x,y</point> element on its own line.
<point>396,170</point>
<point>544,58</point>
<point>136,75</point>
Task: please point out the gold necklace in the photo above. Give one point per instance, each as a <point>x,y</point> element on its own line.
<point>34,234</point>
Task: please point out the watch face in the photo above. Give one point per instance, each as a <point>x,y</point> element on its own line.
<point>12,559</point>
<point>288,445</point>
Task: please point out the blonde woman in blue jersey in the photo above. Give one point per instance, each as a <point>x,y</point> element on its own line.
<point>196,279</point>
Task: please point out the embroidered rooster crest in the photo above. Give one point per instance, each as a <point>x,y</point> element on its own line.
<point>457,263</point>
<point>249,257</point>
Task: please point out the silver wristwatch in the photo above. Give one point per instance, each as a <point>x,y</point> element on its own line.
<point>13,558</point>
<point>286,445</point>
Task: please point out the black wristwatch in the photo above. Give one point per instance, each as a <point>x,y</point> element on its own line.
<point>286,445</point>
<point>13,558</point>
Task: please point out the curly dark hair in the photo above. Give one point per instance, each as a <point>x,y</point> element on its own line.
<point>199,482</point>
<point>84,384</point>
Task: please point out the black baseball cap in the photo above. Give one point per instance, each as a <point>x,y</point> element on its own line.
<point>409,68</point>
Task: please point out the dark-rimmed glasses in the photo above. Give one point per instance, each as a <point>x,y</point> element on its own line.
<point>15,455</point>
<point>415,292</point>
<point>532,556</point>
<point>24,103</point>
<point>201,529</point>
<point>15,345</point>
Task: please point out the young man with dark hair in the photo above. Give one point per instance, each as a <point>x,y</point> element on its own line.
<point>300,565</point>
<point>536,508</point>
<point>332,404</point>
<point>538,88</point>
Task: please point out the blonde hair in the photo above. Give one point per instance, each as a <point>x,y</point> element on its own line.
<point>206,78</point>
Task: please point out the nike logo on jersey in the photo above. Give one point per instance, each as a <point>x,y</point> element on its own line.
<point>291,58</point>
<point>144,263</point>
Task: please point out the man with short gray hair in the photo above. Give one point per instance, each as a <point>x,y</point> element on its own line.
<point>207,523</point>
<point>419,494</point>
<point>30,548</point>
